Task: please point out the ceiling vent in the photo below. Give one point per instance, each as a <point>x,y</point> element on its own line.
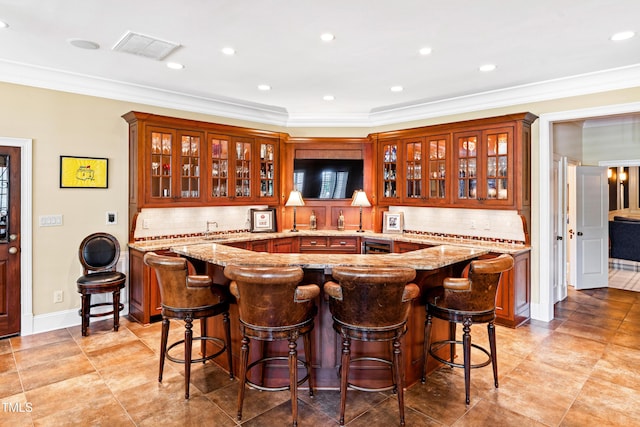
<point>141,45</point>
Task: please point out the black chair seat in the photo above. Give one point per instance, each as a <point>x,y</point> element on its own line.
<point>102,278</point>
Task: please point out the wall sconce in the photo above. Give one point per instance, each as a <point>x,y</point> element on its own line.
<point>295,200</point>
<point>609,173</point>
<point>360,199</point>
<point>623,177</point>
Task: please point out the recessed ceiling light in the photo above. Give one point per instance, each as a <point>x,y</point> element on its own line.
<point>328,97</point>
<point>264,87</point>
<point>425,51</point>
<point>327,37</point>
<point>397,88</point>
<point>228,51</point>
<point>175,65</point>
<point>487,67</point>
<point>84,44</point>
<point>623,35</point>
<point>3,24</point>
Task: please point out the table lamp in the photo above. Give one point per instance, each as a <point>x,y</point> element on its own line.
<point>360,199</point>
<point>295,200</point>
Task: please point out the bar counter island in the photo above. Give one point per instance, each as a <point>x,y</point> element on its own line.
<point>435,261</point>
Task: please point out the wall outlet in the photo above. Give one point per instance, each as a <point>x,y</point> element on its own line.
<point>58,296</point>
<point>473,225</point>
<point>146,223</point>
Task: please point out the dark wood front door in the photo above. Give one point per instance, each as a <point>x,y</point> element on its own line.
<point>9,241</point>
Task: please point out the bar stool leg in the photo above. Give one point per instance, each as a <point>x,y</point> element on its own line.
<point>466,344</point>
<point>307,356</point>
<point>427,346</point>
<point>85,311</point>
<point>227,333</point>
<point>293,377</point>
<point>188,340</point>
<point>399,377</point>
<point>344,377</point>
<point>244,359</point>
<point>116,309</point>
<point>494,355</point>
<point>163,346</point>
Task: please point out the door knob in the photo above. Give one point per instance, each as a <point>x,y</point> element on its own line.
<point>13,250</point>
<point>558,237</point>
<point>579,233</point>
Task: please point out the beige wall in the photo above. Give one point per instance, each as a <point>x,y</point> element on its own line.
<point>67,124</point>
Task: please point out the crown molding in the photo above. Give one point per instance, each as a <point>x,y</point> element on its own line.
<point>584,84</point>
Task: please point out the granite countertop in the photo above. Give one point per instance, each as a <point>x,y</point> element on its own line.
<point>422,259</point>
<point>220,239</point>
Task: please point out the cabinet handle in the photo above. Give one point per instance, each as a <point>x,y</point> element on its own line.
<point>313,242</point>
<point>343,243</point>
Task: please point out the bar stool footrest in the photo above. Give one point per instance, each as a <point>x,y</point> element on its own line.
<point>218,341</point>
<point>265,360</point>
<point>439,344</point>
<point>371,359</point>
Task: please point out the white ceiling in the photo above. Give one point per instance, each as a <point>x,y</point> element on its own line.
<point>543,50</point>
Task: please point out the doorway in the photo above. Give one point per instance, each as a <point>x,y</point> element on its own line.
<point>16,244</point>
<point>542,306</point>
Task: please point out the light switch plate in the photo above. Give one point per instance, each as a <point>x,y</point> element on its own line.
<point>112,218</point>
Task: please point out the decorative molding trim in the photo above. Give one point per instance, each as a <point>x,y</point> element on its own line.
<point>584,84</point>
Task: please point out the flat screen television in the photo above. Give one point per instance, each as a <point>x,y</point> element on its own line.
<point>327,178</point>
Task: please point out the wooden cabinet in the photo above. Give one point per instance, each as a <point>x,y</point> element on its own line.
<point>285,245</point>
<point>513,298</point>
<point>483,163</point>
<point>333,244</point>
<point>186,163</point>
<point>144,293</point>
<point>402,247</point>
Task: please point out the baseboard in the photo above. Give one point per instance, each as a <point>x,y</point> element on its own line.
<point>58,320</point>
<point>624,264</point>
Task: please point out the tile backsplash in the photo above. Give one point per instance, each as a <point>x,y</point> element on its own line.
<point>502,225</point>
<point>164,222</point>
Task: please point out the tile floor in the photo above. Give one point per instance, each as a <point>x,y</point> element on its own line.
<point>581,369</point>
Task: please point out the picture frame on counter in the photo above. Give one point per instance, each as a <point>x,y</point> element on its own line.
<point>393,222</point>
<point>84,172</point>
<point>263,220</point>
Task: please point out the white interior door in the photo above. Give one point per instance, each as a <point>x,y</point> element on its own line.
<point>592,227</point>
<point>560,228</point>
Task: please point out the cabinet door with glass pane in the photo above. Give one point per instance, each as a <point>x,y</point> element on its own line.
<point>484,166</point>
<point>414,189</point>
<point>268,167</point>
<point>388,180</point>
<point>438,148</point>
<point>174,160</point>
<point>218,167</point>
<point>242,157</point>
<point>499,166</point>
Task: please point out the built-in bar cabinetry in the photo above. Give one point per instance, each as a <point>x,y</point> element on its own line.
<point>186,163</point>
<point>483,163</point>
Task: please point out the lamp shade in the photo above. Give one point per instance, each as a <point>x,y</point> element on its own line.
<point>360,199</point>
<point>295,199</point>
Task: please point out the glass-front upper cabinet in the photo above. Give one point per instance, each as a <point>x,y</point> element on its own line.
<point>174,171</point>
<point>389,152</point>
<point>413,166</point>
<point>437,164</point>
<point>219,166</point>
<point>267,168</point>
<point>484,162</point>
<point>242,152</point>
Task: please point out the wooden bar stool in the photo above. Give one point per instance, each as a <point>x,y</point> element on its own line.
<point>371,304</point>
<point>189,297</point>
<point>274,307</point>
<point>99,254</point>
<point>467,300</point>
